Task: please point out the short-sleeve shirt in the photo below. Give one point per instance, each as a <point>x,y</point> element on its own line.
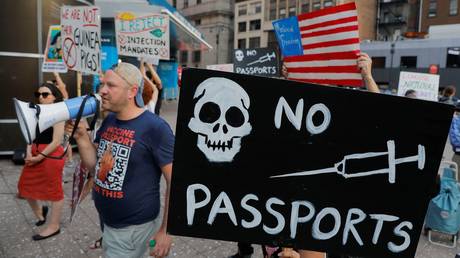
<point>128,170</point>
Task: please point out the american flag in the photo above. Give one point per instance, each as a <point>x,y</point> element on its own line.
<point>330,41</point>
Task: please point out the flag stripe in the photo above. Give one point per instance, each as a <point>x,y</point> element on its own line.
<point>352,83</point>
<point>330,23</point>
<point>329,76</point>
<point>355,23</point>
<point>327,69</point>
<point>330,42</point>
<point>328,56</point>
<point>293,64</point>
<point>331,37</point>
<point>303,23</point>
<point>351,47</point>
<point>353,29</point>
<point>327,11</point>
<point>334,43</point>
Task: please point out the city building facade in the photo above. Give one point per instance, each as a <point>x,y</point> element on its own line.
<point>438,12</point>
<point>397,18</point>
<point>253,18</point>
<point>214,19</point>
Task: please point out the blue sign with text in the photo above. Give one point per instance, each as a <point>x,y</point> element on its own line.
<point>288,35</point>
<point>167,70</point>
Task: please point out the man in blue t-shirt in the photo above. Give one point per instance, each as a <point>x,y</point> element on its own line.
<point>133,149</point>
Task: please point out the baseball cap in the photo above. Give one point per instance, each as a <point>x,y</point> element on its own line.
<point>131,75</point>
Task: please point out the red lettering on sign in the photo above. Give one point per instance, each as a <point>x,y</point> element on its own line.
<point>65,14</point>
<point>75,15</point>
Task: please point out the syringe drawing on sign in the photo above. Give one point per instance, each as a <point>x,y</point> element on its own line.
<point>263,59</point>
<point>340,167</point>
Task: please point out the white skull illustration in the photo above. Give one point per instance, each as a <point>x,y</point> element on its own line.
<point>239,55</point>
<point>221,118</point>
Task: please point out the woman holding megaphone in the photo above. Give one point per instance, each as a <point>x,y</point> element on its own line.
<point>41,178</point>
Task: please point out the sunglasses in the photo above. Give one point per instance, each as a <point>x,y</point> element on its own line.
<point>43,94</point>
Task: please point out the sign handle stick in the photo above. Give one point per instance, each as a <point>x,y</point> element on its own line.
<point>79,81</point>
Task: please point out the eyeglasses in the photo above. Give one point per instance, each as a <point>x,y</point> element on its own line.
<point>43,94</point>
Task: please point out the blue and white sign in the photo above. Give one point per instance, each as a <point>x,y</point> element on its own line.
<point>167,70</point>
<point>288,35</point>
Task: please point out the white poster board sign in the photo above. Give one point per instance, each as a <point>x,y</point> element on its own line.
<point>142,35</point>
<point>81,31</point>
<point>53,61</point>
<point>221,67</point>
<point>148,60</point>
<point>425,85</point>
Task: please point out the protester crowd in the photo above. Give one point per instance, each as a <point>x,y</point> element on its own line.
<point>130,103</point>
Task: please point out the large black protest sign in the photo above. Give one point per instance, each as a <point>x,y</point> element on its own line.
<point>278,162</point>
<point>258,61</point>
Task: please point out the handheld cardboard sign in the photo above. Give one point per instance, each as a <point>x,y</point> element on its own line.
<point>257,61</point>
<point>283,163</point>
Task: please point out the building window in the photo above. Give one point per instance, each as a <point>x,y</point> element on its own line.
<point>282,9</point>
<point>174,2</point>
<point>305,6</point>
<point>184,56</point>
<point>198,22</point>
<point>241,43</point>
<point>316,5</point>
<point>282,13</point>
<point>196,56</point>
<point>409,62</point>
<point>254,42</point>
<point>255,8</point>
<point>254,25</point>
<point>292,8</point>
<point>378,62</point>
<point>453,7</point>
<point>242,10</point>
<point>198,1</point>
<point>272,10</point>
<point>453,57</point>
<point>432,8</point>
<point>241,26</point>
<point>329,3</point>
<point>185,3</point>
<point>272,41</point>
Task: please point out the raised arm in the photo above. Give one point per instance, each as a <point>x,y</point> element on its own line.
<point>365,64</point>
<point>61,85</point>
<point>149,88</point>
<point>142,67</point>
<point>155,78</point>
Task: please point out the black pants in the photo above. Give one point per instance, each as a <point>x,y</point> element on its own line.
<point>245,248</point>
<point>158,105</point>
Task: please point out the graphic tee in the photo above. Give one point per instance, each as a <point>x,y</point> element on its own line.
<point>129,157</point>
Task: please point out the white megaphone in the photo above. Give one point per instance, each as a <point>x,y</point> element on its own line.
<point>44,116</point>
